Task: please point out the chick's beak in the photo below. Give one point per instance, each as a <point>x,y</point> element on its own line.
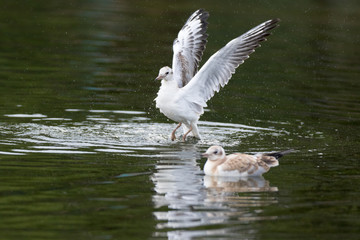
<point>205,155</point>
<point>160,77</point>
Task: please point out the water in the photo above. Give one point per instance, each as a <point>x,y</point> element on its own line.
<point>84,154</point>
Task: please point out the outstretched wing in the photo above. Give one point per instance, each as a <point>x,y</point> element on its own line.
<point>189,46</point>
<point>218,70</point>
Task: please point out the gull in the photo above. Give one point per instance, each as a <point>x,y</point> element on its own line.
<point>184,90</point>
<point>239,164</point>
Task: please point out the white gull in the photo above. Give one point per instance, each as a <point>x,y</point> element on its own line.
<point>239,164</point>
<point>184,90</point>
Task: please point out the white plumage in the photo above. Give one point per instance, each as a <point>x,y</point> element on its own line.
<point>184,90</point>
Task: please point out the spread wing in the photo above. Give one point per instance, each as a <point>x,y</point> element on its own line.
<point>218,70</point>
<point>189,46</point>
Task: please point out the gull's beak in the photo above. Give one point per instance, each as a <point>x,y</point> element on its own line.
<point>205,155</point>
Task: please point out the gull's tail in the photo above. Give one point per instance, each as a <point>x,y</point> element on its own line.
<point>271,159</point>
<point>278,155</point>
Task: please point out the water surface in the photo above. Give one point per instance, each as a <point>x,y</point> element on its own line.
<point>84,154</point>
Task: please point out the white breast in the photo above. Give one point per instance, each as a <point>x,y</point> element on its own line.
<point>209,167</point>
<point>165,99</point>
<point>171,104</point>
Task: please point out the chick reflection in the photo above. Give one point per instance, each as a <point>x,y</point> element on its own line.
<point>225,192</point>
<point>234,184</point>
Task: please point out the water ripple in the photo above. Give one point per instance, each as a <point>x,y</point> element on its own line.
<point>101,133</point>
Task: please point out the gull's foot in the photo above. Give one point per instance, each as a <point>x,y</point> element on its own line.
<point>189,139</point>
<point>184,137</point>
<point>173,132</point>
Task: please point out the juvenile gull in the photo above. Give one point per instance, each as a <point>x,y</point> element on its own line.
<point>184,90</point>
<point>239,164</point>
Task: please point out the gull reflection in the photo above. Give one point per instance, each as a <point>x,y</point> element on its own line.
<point>178,182</point>
<point>187,202</point>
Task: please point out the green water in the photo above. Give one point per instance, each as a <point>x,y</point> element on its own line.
<point>84,154</point>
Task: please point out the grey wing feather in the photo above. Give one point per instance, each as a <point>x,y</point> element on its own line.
<point>218,70</point>
<point>189,46</point>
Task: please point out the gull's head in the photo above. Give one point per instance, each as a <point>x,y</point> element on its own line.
<point>165,73</point>
<point>214,153</point>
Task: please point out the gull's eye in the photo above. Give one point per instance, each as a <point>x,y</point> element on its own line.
<point>167,73</point>
<point>215,152</point>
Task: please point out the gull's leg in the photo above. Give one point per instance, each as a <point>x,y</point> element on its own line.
<point>184,137</point>
<point>173,132</point>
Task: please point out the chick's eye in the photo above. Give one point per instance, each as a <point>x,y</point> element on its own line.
<point>215,152</point>
<point>167,73</point>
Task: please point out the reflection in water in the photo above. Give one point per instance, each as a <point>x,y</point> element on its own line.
<point>185,198</point>
<point>186,204</point>
<point>237,184</point>
<point>177,180</point>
